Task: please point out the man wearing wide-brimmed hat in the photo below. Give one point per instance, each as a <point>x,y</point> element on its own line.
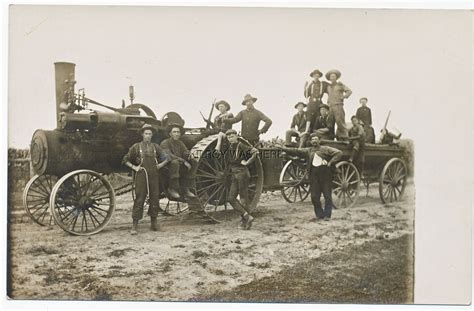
<point>223,107</point>
<point>337,92</point>
<point>313,92</point>
<point>180,167</point>
<point>251,118</point>
<point>146,158</point>
<point>299,127</point>
<point>323,127</point>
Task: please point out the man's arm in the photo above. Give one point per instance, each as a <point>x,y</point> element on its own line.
<point>131,154</point>
<point>268,123</point>
<point>333,153</point>
<point>299,152</point>
<point>293,123</point>
<point>235,119</point>
<point>370,117</point>
<point>347,91</point>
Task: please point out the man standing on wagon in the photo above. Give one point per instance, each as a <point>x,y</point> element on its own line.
<point>314,92</point>
<point>251,118</point>
<point>337,92</point>
<point>364,114</point>
<point>144,159</point>
<point>322,160</point>
<point>241,156</point>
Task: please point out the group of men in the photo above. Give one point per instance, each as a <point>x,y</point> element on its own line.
<point>317,123</point>
<point>146,159</point>
<point>321,119</point>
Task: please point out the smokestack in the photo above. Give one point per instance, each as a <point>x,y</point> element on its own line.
<point>65,80</point>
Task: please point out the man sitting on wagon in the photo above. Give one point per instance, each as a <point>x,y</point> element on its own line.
<point>299,126</point>
<point>180,168</point>
<point>357,141</point>
<point>322,160</point>
<point>323,127</point>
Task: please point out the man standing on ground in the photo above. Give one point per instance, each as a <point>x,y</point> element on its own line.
<point>337,92</point>
<point>251,118</point>
<point>241,156</point>
<point>144,159</point>
<point>322,160</point>
<point>299,127</point>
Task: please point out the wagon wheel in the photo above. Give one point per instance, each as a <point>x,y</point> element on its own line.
<point>142,108</point>
<point>393,180</point>
<point>36,198</point>
<point>294,180</point>
<point>83,202</point>
<point>345,185</point>
<point>213,179</point>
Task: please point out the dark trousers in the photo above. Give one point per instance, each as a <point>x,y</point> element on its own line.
<point>321,182</point>
<point>179,171</point>
<point>358,155</point>
<point>338,116</point>
<point>239,186</point>
<point>141,190</point>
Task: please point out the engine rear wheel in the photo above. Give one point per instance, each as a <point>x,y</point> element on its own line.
<point>214,178</point>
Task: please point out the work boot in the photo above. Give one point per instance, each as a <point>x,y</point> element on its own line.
<point>242,223</point>
<point>154,224</point>
<point>173,191</point>
<point>248,222</point>
<point>188,193</point>
<point>133,231</point>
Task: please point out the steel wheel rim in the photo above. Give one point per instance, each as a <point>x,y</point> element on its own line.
<point>294,189</point>
<point>346,185</point>
<point>36,199</point>
<point>393,181</point>
<point>213,179</point>
<point>86,203</point>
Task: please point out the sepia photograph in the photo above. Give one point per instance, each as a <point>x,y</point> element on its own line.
<point>222,154</point>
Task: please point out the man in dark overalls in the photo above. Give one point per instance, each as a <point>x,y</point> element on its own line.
<point>322,160</point>
<point>144,158</point>
<point>241,155</point>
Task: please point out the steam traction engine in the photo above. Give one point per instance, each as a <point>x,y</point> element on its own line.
<point>72,162</point>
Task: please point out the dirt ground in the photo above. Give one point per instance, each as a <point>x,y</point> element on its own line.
<point>190,259</point>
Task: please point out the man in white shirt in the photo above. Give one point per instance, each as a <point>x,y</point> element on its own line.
<point>322,160</point>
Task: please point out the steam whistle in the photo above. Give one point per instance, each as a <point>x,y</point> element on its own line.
<point>131,93</point>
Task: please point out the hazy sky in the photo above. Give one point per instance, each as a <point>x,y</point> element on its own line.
<point>180,59</point>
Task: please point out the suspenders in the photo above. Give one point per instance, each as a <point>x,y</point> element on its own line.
<point>142,152</point>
